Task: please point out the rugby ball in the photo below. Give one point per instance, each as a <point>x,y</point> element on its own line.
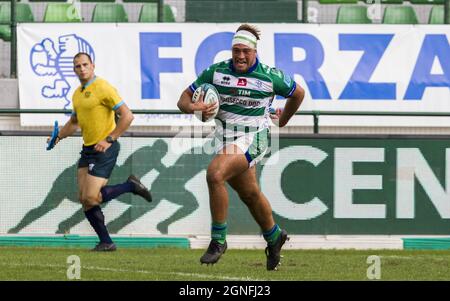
<point>210,96</point>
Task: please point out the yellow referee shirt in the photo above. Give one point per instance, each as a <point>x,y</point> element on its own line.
<point>94,105</point>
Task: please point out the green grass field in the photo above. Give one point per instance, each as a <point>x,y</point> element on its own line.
<point>20,263</point>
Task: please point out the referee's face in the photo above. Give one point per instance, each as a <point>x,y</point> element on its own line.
<point>83,68</point>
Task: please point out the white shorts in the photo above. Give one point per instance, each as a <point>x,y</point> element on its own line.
<point>254,145</point>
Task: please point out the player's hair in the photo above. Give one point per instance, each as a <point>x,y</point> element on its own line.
<point>253,29</point>
<point>80,54</point>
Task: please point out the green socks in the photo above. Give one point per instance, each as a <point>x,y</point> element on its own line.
<point>219,232</point>
<point>272,235</point>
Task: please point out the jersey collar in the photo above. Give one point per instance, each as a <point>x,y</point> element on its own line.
<point>89,83</point>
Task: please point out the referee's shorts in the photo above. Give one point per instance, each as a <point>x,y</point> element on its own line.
<point>99,164</point>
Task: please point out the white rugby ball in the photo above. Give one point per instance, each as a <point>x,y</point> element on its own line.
<point>210,96</point>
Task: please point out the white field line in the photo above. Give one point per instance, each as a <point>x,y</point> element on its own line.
<point>95,268</point>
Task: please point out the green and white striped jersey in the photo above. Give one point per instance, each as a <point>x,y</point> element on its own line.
<point>245,98</point>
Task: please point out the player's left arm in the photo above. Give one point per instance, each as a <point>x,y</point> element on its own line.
<point>292,104</point>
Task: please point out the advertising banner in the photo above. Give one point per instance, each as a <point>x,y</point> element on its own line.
<point>390,68</point>
<point>348,186</point>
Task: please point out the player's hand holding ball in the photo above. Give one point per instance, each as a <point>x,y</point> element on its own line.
<point>205,102</point>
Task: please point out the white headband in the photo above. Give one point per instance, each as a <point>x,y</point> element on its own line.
<point>244,37</point>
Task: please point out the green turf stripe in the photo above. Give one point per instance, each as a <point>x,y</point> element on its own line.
<point>426,243</point>
<point>91,241</point>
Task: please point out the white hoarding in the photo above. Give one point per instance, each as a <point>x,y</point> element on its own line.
<point>390,68</point>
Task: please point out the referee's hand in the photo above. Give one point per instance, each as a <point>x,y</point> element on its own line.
<point>102,146</point>
<point>56,141</point>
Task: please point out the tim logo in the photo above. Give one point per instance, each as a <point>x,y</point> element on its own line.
<point>54,61</point>
<point>242,82</point>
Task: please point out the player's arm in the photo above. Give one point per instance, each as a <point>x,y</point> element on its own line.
<point>292,104</point>
<point>186,105</point>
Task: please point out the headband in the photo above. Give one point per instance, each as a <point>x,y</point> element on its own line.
<point>244,37</point>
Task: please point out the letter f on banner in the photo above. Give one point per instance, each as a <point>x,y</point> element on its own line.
<point>152,65</point>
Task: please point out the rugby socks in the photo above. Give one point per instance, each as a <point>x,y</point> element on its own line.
<point>97,220</point>
<point>113,191</point>
<point>219,232</point>
<point>272,235</point>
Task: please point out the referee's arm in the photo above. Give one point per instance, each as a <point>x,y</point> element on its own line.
<point>69,128</point>
<point>125,119</point>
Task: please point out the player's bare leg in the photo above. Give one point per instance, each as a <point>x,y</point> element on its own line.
<point>247,187</point>
<point>228,163</point>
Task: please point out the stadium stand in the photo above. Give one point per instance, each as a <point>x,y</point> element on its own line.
<point>352,14</point>
<point>427,2</point>
<point>263,11</point>
<point>436,15</point>
<point>61,12</point>
<point>370,2</point>
<point>149,13</point>
<point>400,15</point>
<point>338,1</point>
<point>256,11</point>
<point>24,14</point>
<point>109,12</point>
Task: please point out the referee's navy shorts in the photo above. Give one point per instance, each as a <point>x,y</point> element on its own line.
<point>99,164</point>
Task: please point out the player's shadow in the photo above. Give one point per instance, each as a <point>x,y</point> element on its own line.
<point>168,185</point>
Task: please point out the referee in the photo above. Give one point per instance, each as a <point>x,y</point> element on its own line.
<point>95,104</point>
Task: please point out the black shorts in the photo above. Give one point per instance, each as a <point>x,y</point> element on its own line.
<point>99,164</point>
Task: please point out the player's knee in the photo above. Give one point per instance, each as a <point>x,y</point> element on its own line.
<point>214,176</point>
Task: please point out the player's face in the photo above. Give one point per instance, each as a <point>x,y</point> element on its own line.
<point>243,57</point>
<point>83,68</point>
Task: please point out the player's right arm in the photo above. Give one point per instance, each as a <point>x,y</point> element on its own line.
<point>68,129</point>
<point>186,105</point>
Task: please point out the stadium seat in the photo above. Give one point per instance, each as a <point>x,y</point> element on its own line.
<point>436,15</point>
<point>427,1</point>
<point>384,1</point>
<point>241,11</point>
<point>352,14</point>
<point>97,0</point>
<point>337,1</point>
<point>140,1</point>
<point>47,0</point>
<point>61,12</point>
<point>399,15</point>
<point>109,12</point>
<point>24,14</point>
<point>149,13</point>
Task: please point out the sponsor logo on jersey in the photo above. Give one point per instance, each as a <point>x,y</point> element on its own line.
<point>225,80</point>
<point>242,82</point>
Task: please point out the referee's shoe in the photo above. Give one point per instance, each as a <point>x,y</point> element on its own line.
<point>139,188</point>
<point>104,247</point>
